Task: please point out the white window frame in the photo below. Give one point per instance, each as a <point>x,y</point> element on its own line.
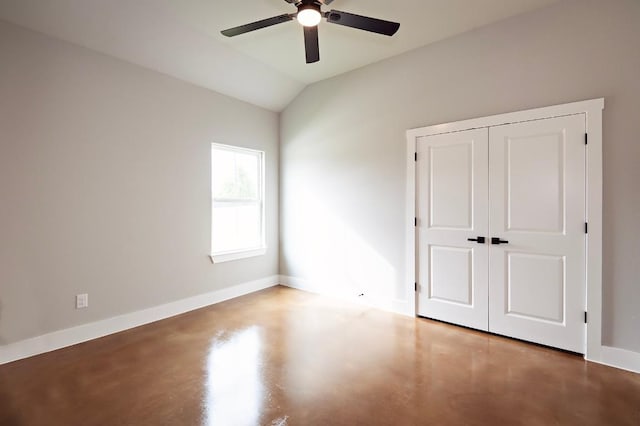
<point>261,249</point>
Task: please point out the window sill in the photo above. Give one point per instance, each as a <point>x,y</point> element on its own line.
<point>235,255</point>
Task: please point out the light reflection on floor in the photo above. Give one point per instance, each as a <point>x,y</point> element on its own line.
<point>234,387</point>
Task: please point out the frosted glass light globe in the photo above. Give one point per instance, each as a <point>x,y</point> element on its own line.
<point>309,17</point>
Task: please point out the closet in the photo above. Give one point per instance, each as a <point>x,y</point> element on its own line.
<point>500,229</point>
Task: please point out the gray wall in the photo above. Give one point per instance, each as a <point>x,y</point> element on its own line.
<point>104,185</point>
<point>343,143</point>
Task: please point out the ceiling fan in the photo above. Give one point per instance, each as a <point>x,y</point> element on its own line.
<point>309,15</point>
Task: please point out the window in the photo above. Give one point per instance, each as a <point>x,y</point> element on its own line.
<point>237,203</point>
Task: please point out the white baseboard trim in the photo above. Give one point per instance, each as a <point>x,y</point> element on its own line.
<point>396,306</point>
<point>299,284</point>
<point>619,358</point>
<point>82,333</point>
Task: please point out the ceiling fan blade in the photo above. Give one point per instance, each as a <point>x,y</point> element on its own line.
<point>311,46</point>
<point>362,22</point>
<point>231,32</point>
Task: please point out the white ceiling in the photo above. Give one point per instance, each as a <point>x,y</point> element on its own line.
<point>266,67</point>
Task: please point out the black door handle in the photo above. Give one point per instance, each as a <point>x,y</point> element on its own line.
<point>479,240</point>
<point>497,241</point>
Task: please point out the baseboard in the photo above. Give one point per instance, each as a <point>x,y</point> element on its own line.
<point>396,306</point>
<point>299,284</point>
<point>82,333</point>
<point>620,358</point>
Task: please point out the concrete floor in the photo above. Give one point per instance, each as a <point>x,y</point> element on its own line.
<point>285,357</point>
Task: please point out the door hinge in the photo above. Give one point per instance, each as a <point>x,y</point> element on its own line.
<point>415,221</point>
<point>415,156</point>
<point>415,287</point>
<point>585,317</point>
<point>586,138</point>
<point>586,228</point>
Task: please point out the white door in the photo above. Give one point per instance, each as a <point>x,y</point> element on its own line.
<point>537,204</point>
<point>452,197</point>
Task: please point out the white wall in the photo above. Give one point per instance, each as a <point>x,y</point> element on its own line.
<point>104,185</point>
<point>343,144</point>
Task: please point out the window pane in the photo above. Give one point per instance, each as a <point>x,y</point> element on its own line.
<point>235,175</point>
<point>236,228</point>
<point>247,176</point>
<point>223,171</point>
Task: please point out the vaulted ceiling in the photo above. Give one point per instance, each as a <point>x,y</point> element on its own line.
<point>267,67</point>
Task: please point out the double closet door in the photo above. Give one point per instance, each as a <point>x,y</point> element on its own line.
<point>501,229</point>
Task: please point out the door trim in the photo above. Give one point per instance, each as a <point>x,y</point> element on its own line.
<point>592,109</point>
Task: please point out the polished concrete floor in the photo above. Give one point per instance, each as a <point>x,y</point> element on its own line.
<point>284,357</point>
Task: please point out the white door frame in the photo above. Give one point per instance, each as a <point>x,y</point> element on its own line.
<point>593,116</point>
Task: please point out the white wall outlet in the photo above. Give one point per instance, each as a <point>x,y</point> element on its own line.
<point>82,301</point>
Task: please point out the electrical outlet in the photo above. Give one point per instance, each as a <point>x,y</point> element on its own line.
<point>82,301</point>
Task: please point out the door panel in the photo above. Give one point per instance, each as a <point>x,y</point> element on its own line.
<point>451,179</point>
<point>537,202</point>
<point>451,277</point>
<point>535,182</point>
<point>452,206</point>
<point>543,273</point>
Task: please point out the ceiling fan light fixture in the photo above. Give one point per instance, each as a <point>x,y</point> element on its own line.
<point>309,15</point>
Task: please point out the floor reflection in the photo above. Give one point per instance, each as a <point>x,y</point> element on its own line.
<point>234,387</point>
